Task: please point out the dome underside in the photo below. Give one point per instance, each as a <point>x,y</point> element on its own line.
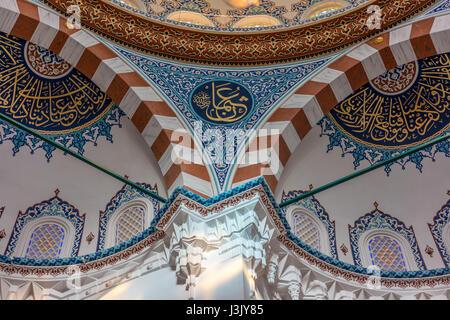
<point>261,37</point>
<point>225,15</point>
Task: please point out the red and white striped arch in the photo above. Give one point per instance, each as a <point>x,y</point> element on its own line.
<point>330,86</point>
<point>151,115</point>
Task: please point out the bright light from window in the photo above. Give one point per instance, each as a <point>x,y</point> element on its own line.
<point>324,12</point>
<point>257,21</point>
<point>129,3</point>
<point>322,8</point>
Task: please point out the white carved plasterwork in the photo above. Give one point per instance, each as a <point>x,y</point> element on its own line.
<point>317,290</point>
<point>241,238</point>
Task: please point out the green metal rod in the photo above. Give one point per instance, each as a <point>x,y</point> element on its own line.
<point>366,170</point>
<point>80,157</point>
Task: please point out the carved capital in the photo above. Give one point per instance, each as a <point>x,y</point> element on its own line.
<point>272,268</point>
<point>294,290</point>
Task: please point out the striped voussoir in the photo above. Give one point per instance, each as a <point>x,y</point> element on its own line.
<point>150,114</point>
<point>291,122</point>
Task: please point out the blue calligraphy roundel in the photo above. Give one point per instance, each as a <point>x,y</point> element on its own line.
<point>221,102</point>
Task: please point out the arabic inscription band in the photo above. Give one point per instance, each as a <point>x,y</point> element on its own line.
<point>45,93</point>
<point>404,107</point>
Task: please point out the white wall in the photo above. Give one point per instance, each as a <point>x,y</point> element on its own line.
<point>223,279</point>
<point>27,179</point>
<point>408,195</point>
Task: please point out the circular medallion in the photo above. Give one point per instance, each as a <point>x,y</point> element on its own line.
<point>221,102</point>
<point>45,63</point>
<point>396,80</point>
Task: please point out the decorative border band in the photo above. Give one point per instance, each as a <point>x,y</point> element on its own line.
<point>237,48</point>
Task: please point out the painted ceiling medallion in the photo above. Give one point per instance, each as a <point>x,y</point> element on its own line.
<point>179,83</point>
<point>221,102</point>
<point>404,107</point>
<point>45,63</point>
<point>397,80</point>
<point>44,92</point>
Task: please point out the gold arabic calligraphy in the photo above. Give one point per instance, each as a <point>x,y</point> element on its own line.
<point>404,119</point>
<point>225,105</point>
<point>50,107</point>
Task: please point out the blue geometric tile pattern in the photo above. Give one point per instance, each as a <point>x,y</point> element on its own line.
<point>377,219</point>
<point>52,207</point>
<point>177,82</point>
<point>440,221</point>
<point>124,195</point>
<point>313,205</point>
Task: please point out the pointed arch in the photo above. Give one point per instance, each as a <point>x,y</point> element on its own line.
<point>377,223</point>
<point>312,209</point>
<point>291,122</point>
<point>151,115</point>
<point>51,211</point>
<point>128,221</point>
<point>124,199</point>
<point>386,250</point>
<point>48,237</point>
<point>440,230</point>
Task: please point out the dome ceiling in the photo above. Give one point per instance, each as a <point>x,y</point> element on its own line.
<point>291,40</point>
<point>223,15</point>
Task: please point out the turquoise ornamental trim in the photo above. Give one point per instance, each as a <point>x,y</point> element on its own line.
<point>208,202</point>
